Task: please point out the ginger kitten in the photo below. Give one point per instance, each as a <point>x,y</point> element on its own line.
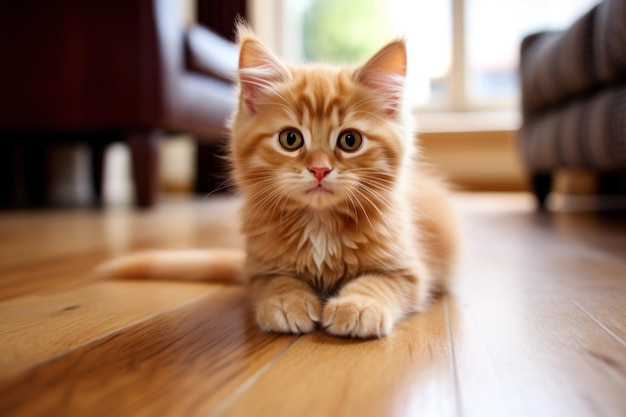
<point>344,227</point>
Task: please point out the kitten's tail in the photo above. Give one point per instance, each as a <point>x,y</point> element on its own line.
<point>210,265</point>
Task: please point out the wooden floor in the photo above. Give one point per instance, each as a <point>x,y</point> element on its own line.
<point>534,326</point>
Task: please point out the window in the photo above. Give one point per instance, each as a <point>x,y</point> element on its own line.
<point>493,32</point>
<point>463,54</point>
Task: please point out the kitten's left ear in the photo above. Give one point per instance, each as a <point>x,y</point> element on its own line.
<point>385,73</point>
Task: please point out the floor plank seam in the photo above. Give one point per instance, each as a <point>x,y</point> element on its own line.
<point>613,335</point>
<point>246,385</point>
<point>453,369</point>
<point>108,335</point>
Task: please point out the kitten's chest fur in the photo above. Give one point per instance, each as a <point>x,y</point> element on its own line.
<point>321,246</point>
<point>325,249</point>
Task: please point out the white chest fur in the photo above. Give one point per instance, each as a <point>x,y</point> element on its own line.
<point>323,241</point>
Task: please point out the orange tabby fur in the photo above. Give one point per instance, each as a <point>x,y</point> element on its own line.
<point>354,241</point>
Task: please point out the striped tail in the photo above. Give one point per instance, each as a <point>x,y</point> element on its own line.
<point>209,265</point>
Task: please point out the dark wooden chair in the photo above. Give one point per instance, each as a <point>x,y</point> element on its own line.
<point>100,71</point>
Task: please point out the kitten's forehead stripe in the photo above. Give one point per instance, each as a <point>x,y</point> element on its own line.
<point>321,97</point>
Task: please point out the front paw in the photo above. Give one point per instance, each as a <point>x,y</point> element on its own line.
<point>357,316</point>
<point>296,312</point>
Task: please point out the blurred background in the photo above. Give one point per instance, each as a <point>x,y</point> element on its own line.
<point>119,101</point>
<point>464,54</point>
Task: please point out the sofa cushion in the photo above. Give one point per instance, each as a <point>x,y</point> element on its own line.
<point>589,132</point>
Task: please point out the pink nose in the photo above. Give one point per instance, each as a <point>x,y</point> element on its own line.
<point>320,172</point>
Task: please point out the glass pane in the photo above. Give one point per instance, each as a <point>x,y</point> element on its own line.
<point>428,27</point>
<point>341,31</point>
<point>494,30</point>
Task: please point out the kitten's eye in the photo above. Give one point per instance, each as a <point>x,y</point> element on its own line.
<point>290,139</point>
<point>349,141</point>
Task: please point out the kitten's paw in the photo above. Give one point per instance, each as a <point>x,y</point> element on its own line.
<point>357,316</point>
<point>297,312</point>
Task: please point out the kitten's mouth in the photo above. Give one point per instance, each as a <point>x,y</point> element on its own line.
<point>319,189</point>
<point>319,196</point>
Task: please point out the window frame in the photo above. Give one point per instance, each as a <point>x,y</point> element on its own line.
<point>267,18</point>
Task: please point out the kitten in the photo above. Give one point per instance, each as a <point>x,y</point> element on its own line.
<point>344,226</point>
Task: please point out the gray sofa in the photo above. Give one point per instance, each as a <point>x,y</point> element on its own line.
<point>573,85</point>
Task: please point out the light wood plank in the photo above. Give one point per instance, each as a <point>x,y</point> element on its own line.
<point>519,339</point>
<point>37,328</point>
<point>602,233</point>
<point>40,250</point>
<point>595,283</point>
<point>181,363</point>
<point>599,232</point>
<point>407,373</point>
<point>42,275</point>
<point>565,250</point>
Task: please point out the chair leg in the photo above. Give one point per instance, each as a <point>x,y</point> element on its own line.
<point>212,170</point>
<point>98,151</point>
<point>612,183</point>
<point>541,186</point>
<point>35,173</point>
<point>7,175</point>
<point>144,148</point>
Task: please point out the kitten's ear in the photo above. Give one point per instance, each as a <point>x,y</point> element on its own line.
<point>259,68</point>
<point>385,73</point>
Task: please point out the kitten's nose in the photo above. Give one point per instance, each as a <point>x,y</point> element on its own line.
<point>320,172</point>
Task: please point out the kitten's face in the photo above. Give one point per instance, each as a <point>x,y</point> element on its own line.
<point>318,137</point>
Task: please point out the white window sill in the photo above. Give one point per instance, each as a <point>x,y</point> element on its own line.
<point>433,122</point>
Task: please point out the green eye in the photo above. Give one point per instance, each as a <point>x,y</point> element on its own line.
<point>349,141</point>
<point>290,139</point>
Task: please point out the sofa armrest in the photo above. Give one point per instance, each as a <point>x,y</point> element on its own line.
<point>557,67</point>
<point>210,54</point>
<point>610,37</point>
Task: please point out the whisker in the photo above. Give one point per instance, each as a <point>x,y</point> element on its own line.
<point>265,200</point>
<point>222,186</point>
<point>376,185</point>
<point>367,217</point>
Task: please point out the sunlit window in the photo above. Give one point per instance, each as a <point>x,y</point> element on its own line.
<point>493,31</point>
<point>463,53</point>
